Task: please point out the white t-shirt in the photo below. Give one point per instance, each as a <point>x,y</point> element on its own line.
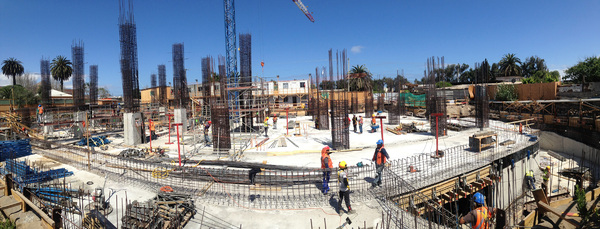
<point>341,176</point>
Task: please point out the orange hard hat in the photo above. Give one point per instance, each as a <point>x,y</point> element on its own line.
<point>209,122</point>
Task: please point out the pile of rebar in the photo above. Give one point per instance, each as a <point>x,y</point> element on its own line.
<point>166,210</point>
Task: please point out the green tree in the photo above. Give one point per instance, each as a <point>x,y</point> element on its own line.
<point>584,71</point>
<point>103,92</point>
<point>442,84</point>
<point>542,77</point>
<point>360,81</point>
<point>12,67</point>
<point>22,96</point>
<point>495,71</point>
<point>61,70</point>
<point>509,65</point>
<point>531,65</point>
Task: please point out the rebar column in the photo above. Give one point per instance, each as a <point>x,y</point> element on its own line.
<point>78,74</point>
<point>340,124</point>
<point>94,84</point>
<point>46,83</point>
<point>246,80</point>
<point>129,60</point>
<point>162,83</point>
<point>181,96</point>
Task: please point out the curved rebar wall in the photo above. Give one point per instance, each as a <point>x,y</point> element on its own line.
<point>293,188</point>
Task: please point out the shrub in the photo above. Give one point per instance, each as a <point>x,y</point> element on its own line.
<point>581,204</point>
<point>506,92</point>
<point>442,84</point>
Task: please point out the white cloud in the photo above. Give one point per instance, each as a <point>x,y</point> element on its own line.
<point>357,49</point>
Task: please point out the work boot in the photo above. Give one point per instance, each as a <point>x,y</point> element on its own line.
<point>351,211</point>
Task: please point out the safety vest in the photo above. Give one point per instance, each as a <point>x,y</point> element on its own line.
<point>380,157</point>
<point>373,121</point>
<point>40,110</point>
<point>323,156</point>
<point>266,123</point>
<point>152,128</point>
<point>529,174</point>
<point>546,175</point>
<point>482,218</point>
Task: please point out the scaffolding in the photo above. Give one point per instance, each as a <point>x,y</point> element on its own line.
<point>180,89</point>
<point>45,84</point>
<point>94,84</point>
<point>436,100</point>
<point>129,60</point>
<point>78,74</point>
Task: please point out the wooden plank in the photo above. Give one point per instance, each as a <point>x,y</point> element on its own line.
<point>265,188</point>
<point>539,195</point>
<point>546,208</point>
<point>47,220</point>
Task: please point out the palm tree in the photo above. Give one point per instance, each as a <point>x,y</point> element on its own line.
<point>361,81</point>
<point>12,67</point>
<point>509,65</point>
<point>61,69</point>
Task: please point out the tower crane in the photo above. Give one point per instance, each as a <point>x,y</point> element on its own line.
<point>304,10</point>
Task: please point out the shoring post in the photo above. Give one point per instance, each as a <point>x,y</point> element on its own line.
<point>287,110</point>
<point>150,136</point>
<point>178,144</point>
<point>87,124</point>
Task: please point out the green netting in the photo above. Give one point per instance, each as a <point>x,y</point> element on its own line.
<point>414,100</point>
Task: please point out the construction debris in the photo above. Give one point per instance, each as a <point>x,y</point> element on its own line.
<point>166,210</point>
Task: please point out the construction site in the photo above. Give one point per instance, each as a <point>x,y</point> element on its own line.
<point>238,150</point>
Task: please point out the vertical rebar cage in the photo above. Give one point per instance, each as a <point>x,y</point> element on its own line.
<point>180,90</point>
<point>45,75</point>
<point>339,124</point>
<point>162,83</point>
<point>94,84</point>
<point>245,96</point>
<point>436,99</point>
<point>78,74</point>
<point>129,61</point>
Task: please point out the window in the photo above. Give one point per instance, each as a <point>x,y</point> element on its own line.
<point>302,84</point>
<point>285,85</point>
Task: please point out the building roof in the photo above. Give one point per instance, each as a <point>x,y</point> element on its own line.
<point>59,94</point>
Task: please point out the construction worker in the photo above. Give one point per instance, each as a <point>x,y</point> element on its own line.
<point>360,123</point>
<point>344,188</point>
<point>317,123</point>
<point>326,165</point>
<point>380,157</point>
<point>274,121</point>
<point>206,129</point>
<point>373,124</point>
<point>530,179</point>
<point>40,112</point>
<point>252,174</point>
<point>266,126</point>
<point>480,217</point>
<point>152,129</point>
<point>354,121</point>
<point>546,178</point>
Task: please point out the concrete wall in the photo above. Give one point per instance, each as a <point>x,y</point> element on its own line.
<point>587,154</point>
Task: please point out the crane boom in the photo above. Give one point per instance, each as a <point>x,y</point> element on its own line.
<point>304,10</point>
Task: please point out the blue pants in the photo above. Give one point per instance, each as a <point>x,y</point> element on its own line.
<point>207,139</point>
<point>360,126</point>
<point>326,176</point>
<point>379,171</point>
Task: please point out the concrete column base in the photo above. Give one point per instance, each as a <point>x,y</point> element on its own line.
<point>180,116</point>
<point>79,118</point>
<point>132,128</point>
<point>47,118</point>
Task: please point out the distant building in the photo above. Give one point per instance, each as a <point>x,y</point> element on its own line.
<point>510,79</point>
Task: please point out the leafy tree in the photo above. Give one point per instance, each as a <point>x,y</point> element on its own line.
<point>506,92</point>
<point>509,65</point>
<point>103,92</point>
<point>28,82</point>
<point>495,71</point>
<point>542,77</point>
<point>400,79</point>
<point>532,65</point>
<point>454,71</point>
<point>61,69</point>
<point>442,84</point>
<point>326,85</point>
<point>12,67</point>
<point>584,71</point>
<point>361,82</point>
<point>22,96</point>
<point>378,85</point>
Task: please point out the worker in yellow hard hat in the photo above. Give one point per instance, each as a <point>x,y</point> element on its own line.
<point>344,188</point>
<point>546,178</point>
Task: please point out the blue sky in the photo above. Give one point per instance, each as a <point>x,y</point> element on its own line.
<point>385,36</point>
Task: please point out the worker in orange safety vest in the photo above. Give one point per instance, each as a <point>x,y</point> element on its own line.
<point>326,165</point>
<point>481,216</point>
